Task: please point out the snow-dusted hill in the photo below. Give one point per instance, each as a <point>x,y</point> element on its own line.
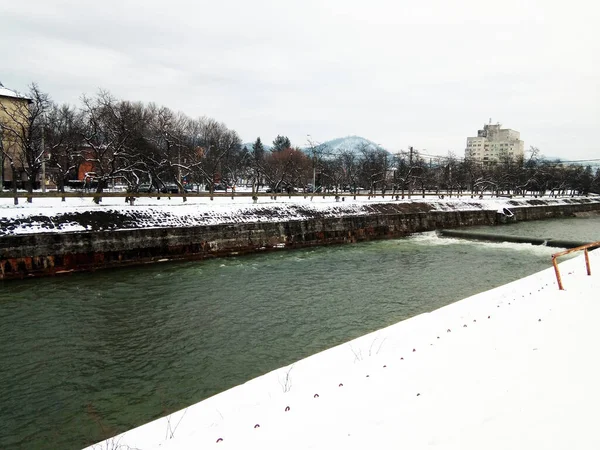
<point>352,144</point>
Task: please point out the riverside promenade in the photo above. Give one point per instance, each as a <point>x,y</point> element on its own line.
<point>514,367</point>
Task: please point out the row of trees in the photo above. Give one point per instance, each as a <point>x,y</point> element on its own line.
<point>115,140</point>
<point>530,174</point>
<point>134,143</point>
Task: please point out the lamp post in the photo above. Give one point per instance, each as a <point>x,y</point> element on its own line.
<point>43,156</point>
<point>312,146</point>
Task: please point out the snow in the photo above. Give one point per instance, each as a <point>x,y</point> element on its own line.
<point>514,367</point>
<point>50,215</point>
<point>336,146</point>
<point>5,92</point>
<point>353,144</point>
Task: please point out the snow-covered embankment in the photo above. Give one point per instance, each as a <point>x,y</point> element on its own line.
<point>50,215</point>
<point>513,367</point>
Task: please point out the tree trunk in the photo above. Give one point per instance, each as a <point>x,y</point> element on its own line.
<point>30,189</point>
<point>14,181</point>
<point>61,187</point>
<point>99,190</point>
<point>181,190</point>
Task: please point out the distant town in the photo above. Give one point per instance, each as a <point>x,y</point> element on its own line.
<point>105,142</point>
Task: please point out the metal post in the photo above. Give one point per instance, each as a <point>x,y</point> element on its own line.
<point>560,286</point>
<point>587,262</point>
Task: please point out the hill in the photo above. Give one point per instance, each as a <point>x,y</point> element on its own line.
<point>353,144</point>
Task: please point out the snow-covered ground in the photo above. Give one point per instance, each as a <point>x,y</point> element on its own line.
<point>50,215</point>
<point>512,368</point>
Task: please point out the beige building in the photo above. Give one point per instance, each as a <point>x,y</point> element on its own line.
<point>13,116</point>
<point>494,143</point>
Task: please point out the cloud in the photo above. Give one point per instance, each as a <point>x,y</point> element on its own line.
<point>401,73</point>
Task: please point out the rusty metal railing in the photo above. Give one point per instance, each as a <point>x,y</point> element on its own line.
<point>573,250</point>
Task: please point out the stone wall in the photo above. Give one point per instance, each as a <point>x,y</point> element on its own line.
<point>53,253</point>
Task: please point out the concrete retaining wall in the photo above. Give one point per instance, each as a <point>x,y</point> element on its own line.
<point>54,253</point>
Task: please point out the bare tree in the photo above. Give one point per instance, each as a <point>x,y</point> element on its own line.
<point>331,171</point>
<point>284,168</point>
<point>113,136</point>
<point>22,125</point>
<point>63,143</point>
<point>351,168</point>
<point>167,159</point>
<point>216,144</point>
<point>375,164</point>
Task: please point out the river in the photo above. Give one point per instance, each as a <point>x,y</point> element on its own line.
<point>88,356</point>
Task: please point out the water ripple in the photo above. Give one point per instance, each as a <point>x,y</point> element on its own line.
<point>90,355</point>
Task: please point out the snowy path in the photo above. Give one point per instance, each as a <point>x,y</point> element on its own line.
<point>514,367</point>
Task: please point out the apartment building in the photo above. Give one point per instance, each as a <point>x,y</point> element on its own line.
<point>13,118</point>
<point>494,143</point>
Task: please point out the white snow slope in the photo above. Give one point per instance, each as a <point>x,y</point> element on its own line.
<point>50,215</point>
<point>512,368</point>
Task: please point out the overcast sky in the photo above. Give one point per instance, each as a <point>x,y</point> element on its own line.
<point>426,73</point>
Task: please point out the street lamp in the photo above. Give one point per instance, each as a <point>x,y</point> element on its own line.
<point>43,155</point>
<point>312,146</point>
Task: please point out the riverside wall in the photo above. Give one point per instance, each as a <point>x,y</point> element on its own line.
<point>39,254</point>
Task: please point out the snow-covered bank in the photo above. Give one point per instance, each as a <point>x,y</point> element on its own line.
<point>513,367</point>
<point>50,215</point>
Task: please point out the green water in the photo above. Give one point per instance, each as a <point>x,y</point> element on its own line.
<point>87,356</point>
<point>584,229</point>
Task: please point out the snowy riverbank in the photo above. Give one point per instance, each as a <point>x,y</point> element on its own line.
<point>512,367</point>
<point>50,215</point>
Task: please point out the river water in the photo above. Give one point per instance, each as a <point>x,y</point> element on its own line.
<point>90,355</point>
<point>584,229</point>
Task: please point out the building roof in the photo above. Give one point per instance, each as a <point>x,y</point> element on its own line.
<point>5,92</point>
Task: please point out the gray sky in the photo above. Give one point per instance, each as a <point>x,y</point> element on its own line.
<point>426,73</point>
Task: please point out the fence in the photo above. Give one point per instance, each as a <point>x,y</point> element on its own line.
<point>583,248</point>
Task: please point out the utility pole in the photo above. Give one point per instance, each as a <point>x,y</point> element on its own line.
<point>179,165</point>
<point>312,146</point>
<point>410,167</point>
<point>314,171</point>
<point>43,157</point>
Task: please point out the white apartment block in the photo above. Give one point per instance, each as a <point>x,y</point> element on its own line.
<point>494,144</point>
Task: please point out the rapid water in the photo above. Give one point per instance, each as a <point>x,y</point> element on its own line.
<point>87,356</point>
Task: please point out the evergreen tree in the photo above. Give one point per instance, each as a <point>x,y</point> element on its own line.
<point>281,143</point>
<point>258,149</point>
<point>258,156</point>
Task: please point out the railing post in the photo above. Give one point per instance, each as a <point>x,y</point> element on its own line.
<point>587,262</point>
<point>560,286</point>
